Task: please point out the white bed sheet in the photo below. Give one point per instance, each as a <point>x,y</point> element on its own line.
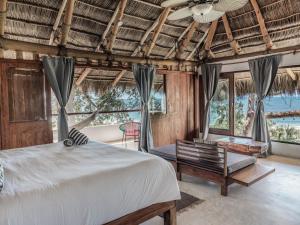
<point>87,185</point>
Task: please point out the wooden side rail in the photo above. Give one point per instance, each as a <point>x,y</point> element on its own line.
<point>168,209</point>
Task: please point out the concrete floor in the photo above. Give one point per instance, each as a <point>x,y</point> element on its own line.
<point>274,200</point>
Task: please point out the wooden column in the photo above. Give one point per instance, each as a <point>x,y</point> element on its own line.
<point>67,22</point>
<point>234,44</point>
<point>262,25</point>
<point>57,21</point>
<point>162,21</point>
<point>3,9</point>
<point>117,22</point>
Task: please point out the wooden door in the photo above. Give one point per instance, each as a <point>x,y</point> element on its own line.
<point>25,104</point>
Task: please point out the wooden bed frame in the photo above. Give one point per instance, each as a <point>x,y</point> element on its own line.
<point>168,209</point>
<point>209,161</point>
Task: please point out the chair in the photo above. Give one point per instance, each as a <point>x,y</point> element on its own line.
<point>131,129</point>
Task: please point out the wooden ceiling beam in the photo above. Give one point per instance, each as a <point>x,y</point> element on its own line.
<point>57,21</point>
<point>186,40</point>
<point>262,25</point>
<point>178,40</point>
<point>210,36</point>
<point>3,9</point>
<point>159,27</point>
<point>118,78</point>
<point>201,40</point>
<point>145,36</point>
<point>67,22</point>
<point>234,44</point>
<point>291,73</point>
<point>108,27</point>
<point>117,24</point>
<point>83,75</point>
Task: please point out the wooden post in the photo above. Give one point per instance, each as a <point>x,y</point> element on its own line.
<point>67,22</point>
<point>234,44</point>
<point>57,21</point>
<point>3,9</point>
<point>162,21</point>
<point>262,25</point>
<point>117,22</point>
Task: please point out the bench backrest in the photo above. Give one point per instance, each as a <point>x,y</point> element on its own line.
<point>206,156</point>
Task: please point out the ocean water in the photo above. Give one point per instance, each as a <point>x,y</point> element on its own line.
<point>272,104</point>
<point>279,104</point>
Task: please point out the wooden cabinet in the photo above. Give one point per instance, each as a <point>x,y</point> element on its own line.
<point>25,104</point>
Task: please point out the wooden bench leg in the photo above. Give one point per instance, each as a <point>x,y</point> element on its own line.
<point>224,188</point>
<point>170,217</point>
<point>179,176</point>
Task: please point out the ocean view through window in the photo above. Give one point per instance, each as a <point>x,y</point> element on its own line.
<point>282,107</point>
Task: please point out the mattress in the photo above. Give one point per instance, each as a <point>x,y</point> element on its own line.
<point>81,185</point>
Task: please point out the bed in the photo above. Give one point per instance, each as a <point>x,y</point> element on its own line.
<point>88,185</point>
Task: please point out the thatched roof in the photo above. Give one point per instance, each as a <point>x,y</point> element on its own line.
<point>32,20</point>
<point>283,84</point>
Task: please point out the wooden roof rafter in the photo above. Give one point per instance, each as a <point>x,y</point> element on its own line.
<point>186,40</point>
<point>158,29</point>
<point>262,25</point>
<point>233,43</point>
<point>291,73</point>
<point>210,37</point>
<point>67,21</point>
<point>117,24</point>
<point>178,40</point>
<point>201,40</point>
<point>57,21</point>
<point>108,27</point>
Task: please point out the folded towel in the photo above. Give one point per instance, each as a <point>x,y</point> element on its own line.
<point>1,177</point>
<point>69,142</point>
<point>78,137</point>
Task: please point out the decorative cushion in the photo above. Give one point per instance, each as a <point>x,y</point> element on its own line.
<point>1,177</point>
<point>236,161</point>
<point>78,137</point>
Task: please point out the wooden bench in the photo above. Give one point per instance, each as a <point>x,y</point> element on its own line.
<point>213,163</point>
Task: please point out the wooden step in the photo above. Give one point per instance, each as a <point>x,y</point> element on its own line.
<point>251,174</point>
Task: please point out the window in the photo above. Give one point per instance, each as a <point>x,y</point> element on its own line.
<point>158,98</point>
<point>220,107</point>
<point>282,106</point>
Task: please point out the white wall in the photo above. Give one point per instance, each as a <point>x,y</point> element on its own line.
<point>288,150</point>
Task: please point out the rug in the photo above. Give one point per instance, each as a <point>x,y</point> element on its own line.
<point>187,201</point>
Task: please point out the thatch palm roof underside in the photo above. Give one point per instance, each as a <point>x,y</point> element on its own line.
<point>33,20</point>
